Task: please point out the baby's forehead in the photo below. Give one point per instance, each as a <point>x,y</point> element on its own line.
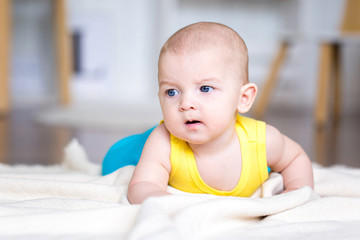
<point>202,58</point>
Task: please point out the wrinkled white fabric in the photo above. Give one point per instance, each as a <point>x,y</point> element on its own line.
<point>73,201</point>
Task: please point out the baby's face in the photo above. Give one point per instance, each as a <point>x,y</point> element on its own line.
<point>199,94</point>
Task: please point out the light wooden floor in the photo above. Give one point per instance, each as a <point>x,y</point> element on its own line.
<point>23,141</point>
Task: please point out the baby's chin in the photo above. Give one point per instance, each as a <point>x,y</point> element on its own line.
<point>194,140</point>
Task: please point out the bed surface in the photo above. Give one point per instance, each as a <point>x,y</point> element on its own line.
<point>73,201</point>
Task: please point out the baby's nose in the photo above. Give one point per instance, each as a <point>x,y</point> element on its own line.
<point>188,102</point>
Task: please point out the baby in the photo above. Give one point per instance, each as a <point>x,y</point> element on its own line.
<point>203,144</point>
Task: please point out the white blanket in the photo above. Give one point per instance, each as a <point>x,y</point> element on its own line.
<point>72,201</point>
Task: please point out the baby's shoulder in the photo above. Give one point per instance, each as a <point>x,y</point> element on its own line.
<point>157,147</point>
<point>272,133</point>
<point>159,136</point>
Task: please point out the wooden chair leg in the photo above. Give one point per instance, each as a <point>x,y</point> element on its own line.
<point>321,110</point>
<point>61,137</point>
<point>325,145</point>
<point>4,140</point>
<point>320,150</point>
<point>261,105</point>
<point>337,84</point>
<point>62,40</point>
<point>5,36</point>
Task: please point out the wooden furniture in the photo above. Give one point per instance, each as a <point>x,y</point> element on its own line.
<point>268,87</point>
<point>62,46</point>
<point>329,75</point>
<point>5,9</point>
<point>63,51</point>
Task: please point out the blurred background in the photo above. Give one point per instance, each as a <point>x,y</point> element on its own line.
<point>87,69</point>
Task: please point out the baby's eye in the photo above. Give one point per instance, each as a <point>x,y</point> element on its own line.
<point>206,89</point>
<point>172,92</point>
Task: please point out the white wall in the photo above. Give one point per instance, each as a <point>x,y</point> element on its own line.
<point>32,65</point>
<point>118,44</point>
<point>122,40</point>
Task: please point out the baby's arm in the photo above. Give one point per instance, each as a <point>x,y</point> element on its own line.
<point>288,158</point>
<point>151,175</point>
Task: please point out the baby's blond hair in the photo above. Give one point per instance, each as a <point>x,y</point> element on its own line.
<point>202,35</point>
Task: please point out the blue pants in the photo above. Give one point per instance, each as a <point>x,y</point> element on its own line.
<point>125,152</point>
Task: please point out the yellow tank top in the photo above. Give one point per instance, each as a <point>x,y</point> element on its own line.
<point>185,176</point>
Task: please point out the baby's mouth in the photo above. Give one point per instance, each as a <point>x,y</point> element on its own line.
<point>193,122</point>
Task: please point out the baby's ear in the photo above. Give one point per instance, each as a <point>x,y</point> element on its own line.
<point>247,97</point>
